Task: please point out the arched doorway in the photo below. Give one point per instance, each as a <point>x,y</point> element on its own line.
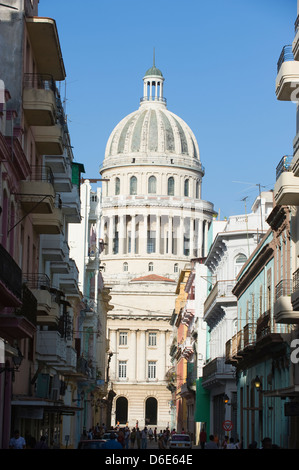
<point>151,411</point>
<point>121,410</point>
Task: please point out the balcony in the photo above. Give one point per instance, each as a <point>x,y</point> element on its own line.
<point>10,281</point>
<point>44,40</point>
<point>48,139</point>
<point>283,308</point>
<point>220,295</point>
<point>295,290</point>
<point>216,371</point>
<point>39,101</point>
<point>62,171</point>
<point>54,248</point>
<point>37,195</point>
<point>287,79</point>
<point>72,205</point>
<point>295,45</point>
<point>39,284</point>
<point>21,323</point>
<point>286,189</point>
<point>50,347</point>
<point>69,282</point>
<point>48,223</point>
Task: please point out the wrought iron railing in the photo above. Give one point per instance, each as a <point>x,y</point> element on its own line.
<point>39,81</point>
<point>283,288</point>
<point>37,281</point>
<point>296,280</point>
<point>285,164</point>
<point>42,173</point>
<point>286,55</point>
<point>10,273</point>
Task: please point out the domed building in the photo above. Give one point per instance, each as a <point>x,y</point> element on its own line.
<point>153,222</point>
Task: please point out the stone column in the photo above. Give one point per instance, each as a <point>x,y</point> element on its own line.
<point>170,220</point>
<point>158,233</point>
<point>191,243</point>
<point>111,234</point>
<point>181,237</point>
<point>133,234</point>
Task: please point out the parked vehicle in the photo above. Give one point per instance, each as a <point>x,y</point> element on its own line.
<point>91,444</point>
<point>180,441</point>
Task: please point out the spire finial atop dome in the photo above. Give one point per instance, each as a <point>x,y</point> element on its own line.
<point>153,84</point>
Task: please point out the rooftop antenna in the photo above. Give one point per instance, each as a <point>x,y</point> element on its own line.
<point>246,218</point>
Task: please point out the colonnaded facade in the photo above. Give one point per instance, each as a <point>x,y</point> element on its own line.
<point>153,222</point>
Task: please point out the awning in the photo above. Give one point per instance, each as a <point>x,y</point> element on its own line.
<point>35,407</point>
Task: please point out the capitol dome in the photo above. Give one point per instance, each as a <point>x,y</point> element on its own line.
<point>152,130</point>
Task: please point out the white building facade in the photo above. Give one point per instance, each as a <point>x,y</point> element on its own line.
<point>153,222</point>
<point>231,247</point>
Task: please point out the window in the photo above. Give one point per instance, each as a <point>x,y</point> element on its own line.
<point>176,268</point>
<point>151,241</point>
<point>133,185</point>
<point>170,186</point>
<point>150,266</point>
<point>186,188</point>
<point>122,369</point>
<point>123,338</point>
<point>117,186</point>
<point>125,267</point>
<point>152,185</point>
<point>151,370</point>
<point>152,339</point>
<point>239,261</point>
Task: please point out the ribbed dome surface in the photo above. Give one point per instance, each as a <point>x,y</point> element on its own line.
<point>152,129</point>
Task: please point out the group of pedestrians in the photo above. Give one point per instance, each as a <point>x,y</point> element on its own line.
<point>231,443</point>
<point>19,442</point>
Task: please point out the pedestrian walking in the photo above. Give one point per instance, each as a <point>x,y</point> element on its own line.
<point>144,438</point>
<point>155,434</point>
<point>42,444</point>
<point>133,438</point>
<point>127,437</point>
<point>231,444</point>
<point>211,444</point>
<point>202,438</point>
<point>138,437</point>
<point>17,441</point>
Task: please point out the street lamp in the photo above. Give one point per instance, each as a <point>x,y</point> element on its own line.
<point>225,399</point>
<point>257,383</point>
<point>17,361</point>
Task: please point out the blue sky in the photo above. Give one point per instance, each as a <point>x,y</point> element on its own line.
<point>219,62</point>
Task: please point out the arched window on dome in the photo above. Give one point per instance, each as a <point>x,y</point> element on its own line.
<point>170,186</point>
<point>152,185</point>
<point>133,185</point>
<point>117,186</point>
<point>197,190</point>
<point>186,188</point>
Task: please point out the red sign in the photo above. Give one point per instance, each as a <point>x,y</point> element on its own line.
<point>227,425</point>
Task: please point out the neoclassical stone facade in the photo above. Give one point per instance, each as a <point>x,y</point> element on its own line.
<point>153,222</point>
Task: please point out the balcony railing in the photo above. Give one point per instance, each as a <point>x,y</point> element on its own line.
<point>37,281</point>
<point>42,173</point>
<point>296,280</point>
<point>285,164</point>
<point>249,335</point>
<point>29,305</point>
<point>286,55</point>
<point>39,81</point>
<point>283,288</point>
<point>10,273</point>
